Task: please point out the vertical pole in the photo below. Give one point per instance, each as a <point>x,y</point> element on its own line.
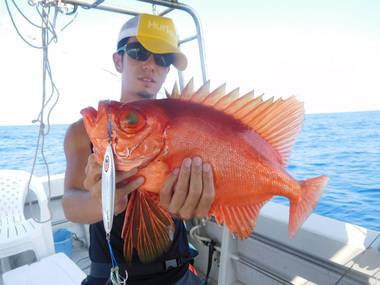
<point>226,274</point>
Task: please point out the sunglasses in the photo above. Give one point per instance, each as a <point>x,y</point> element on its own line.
<point>136,51</point>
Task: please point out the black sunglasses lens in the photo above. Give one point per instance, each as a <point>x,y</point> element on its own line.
<point>165,59</point>
<point>137,51</point>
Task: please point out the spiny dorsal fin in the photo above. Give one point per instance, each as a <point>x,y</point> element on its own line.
<point>188,91</point>
<point>240,103</point>
<point>254,113</point>
<point>202,93</point>
<point>215,95</point>
<point>167,94</point>
<point>278,122</point>
<point>248,107</point>
<point>226,100</point>
<point>175,92</point>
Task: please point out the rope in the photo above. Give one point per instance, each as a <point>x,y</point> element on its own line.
<point>350,268</point>
<point>48,35</point>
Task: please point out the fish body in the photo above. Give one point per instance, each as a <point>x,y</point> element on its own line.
<point>246,140</point>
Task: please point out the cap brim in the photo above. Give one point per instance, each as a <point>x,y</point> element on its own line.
<point>158,46</point>
<point>180,61</point>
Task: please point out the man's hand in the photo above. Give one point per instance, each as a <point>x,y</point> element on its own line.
<point>189,191</point>
<point>93,183</point>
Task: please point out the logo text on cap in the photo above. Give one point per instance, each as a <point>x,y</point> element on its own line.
<point>161,27</point>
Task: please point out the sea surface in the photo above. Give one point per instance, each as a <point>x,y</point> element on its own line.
<point>344,146</point>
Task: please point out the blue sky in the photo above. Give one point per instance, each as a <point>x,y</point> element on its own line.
<point>324,52</point>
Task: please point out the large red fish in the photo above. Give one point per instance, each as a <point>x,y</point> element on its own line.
<point>245,139</point>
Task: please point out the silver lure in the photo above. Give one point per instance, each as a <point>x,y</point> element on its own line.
<point>108,183</point>
<point>108,189</point>
<point>108,202</point>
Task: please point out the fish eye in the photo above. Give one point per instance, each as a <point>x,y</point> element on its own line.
<point>132,118</point>
<point>131,121</point>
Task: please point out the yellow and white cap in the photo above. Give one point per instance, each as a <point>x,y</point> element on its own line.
<point>157,34</point>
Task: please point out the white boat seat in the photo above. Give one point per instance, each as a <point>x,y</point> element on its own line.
<point>18,234</point>
<point>56,269</point>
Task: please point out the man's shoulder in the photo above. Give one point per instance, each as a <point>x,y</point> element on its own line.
<point>76,134</point>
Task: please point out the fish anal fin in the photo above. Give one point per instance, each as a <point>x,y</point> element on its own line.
<point>311,190</point>
<point>240,220</point>
<point>148,228</point>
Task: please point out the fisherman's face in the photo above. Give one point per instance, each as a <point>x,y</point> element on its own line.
<point>140,79</point>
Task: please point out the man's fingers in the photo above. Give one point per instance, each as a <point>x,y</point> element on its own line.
<point>132,185</point>
<point>208,194</point>
<point>195,190</point>
<point>122,175</point>
<point>167,190</point>
<point>181,187</point>
<point>122,193</point>
<point>93,172</point>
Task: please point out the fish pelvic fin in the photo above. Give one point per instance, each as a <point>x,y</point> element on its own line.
<point>148,228</point>
<point>278,122</point>
<point>311,190</point>
<point>240,220</point>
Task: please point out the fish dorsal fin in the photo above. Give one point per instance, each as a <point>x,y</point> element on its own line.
<point>226,100</point>
<point>201,94</point>
<point>175,92</point>
<point>277,121</point>
<point>212,98</point>
<point>167,94</point>
<point>188,91</point>
<point>240,103</point>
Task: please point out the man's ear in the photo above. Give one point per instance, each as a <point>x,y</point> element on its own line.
<point>118,61</point>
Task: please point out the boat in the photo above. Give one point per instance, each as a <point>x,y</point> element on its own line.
<point>324,251</point>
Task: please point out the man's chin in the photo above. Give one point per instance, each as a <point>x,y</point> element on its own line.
<point>146,95</point>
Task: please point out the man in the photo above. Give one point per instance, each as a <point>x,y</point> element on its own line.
<point>147,46</point>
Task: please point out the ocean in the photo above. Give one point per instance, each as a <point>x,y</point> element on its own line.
<point>343,146</point>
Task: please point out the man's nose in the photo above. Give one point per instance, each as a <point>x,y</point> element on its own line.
<point>149,63</point>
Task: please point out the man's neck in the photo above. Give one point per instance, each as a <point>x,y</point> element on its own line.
<point>131,97</point>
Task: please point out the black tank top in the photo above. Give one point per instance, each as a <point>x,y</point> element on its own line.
<point>179,248</point>
<point>99,249</point>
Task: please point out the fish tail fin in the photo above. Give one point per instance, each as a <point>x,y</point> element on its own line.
<point>240,220</point>
<point>148,228</point>
<point>311,190</point>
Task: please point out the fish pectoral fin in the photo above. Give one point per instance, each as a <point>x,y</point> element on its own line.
<point>148,228</point>
<point>240,220</point>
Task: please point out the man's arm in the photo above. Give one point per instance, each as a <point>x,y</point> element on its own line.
<point>82,197</point>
